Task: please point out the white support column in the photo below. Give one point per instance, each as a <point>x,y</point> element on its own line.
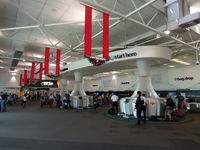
<point>78,85</point>
<point>144,83</point>
<point>63,85</point>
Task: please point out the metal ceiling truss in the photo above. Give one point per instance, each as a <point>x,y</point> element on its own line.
<point>111,26</point>
<point>105,9</point>
<point>21,59</point>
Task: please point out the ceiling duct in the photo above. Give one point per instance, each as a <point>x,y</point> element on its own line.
<point>190,20</point>
<point>17,55</point>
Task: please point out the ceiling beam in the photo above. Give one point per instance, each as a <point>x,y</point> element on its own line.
<point>39,23</point>
<point>105,9</point>
<point>52,24</point>
<point>21,59</point>
<point>111,26</point>
<point>31,42</point>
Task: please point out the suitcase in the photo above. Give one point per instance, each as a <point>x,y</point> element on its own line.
<point>54,104</point>
<point>179,113</point>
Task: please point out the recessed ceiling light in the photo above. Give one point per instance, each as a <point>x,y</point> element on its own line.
<point>180,62</point>
<point>167,32</point>
<point>1,61</point>
<point>171,66</point>
<point>23,60</point>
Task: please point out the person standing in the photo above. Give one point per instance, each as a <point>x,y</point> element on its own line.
<point>169,107</point>
<point>24,99</point>
<point>143,98</point>
<point>51,100</point>
<point>114,99</point>
<point>138,107</point>
<point>67,96</point>
<point>41,100</point>
<point>4,102</point>
<point>180,102</point>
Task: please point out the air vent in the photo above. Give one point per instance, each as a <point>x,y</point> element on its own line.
<point>17,55</point>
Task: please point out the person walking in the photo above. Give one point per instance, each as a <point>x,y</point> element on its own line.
<point>4,102</point>
<point>24,99</point>
<point>169,108</point>
<point>115,99</point>
<point>143,98</point>
<point>67,96</point>
<point>138,107</point>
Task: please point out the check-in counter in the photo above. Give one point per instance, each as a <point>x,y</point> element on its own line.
<point>80,102</point>
<point>153,108</point>
<point>87,101</point>
<point>77,102</point>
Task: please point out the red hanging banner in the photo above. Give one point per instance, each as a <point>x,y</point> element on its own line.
<point>46,65</point>
<point>105,36</point>
<point>25,76</point>
<point>32,71</point>
<point>41,69</point>
<point>88,31</point>
<point>20,82</point>
<point>58,62</point>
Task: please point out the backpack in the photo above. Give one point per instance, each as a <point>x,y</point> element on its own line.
<point>111,111</point>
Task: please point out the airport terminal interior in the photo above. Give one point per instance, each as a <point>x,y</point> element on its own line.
<point>99,74</point>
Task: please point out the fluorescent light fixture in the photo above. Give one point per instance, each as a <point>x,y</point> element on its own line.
<point>167,32</point>
<point>165,64</point>
<point>1,67</point>
<point>194,9</point>
<point>115,72</point>
<point>54,65</point>
<point>157,36</point>
<point>188,29</point>
<point>171,11</point>
<point>114,77</point>
<point>13,78</point>
<point>106,73</point>
<point>2,51</point>
<point>23,60</point>
<point>171,66</point>
<point>1,61</point>
<point>180,61</point>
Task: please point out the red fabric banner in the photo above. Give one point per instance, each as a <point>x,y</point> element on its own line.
<point>20,81</point>
<point>41,69</point>
<point>105,36</point>
<point>58,62</point>
<point>46,65</point>
<point>88,31</point>
<point>25,76</point>
<point>32,71</point>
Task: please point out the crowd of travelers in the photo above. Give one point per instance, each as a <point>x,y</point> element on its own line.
<point>7,98</point>
<point>55,99</point>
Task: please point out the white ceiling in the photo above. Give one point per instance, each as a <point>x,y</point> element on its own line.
<point>20,13</point>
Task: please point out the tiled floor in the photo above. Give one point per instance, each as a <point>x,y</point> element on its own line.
<point>33,128</point>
